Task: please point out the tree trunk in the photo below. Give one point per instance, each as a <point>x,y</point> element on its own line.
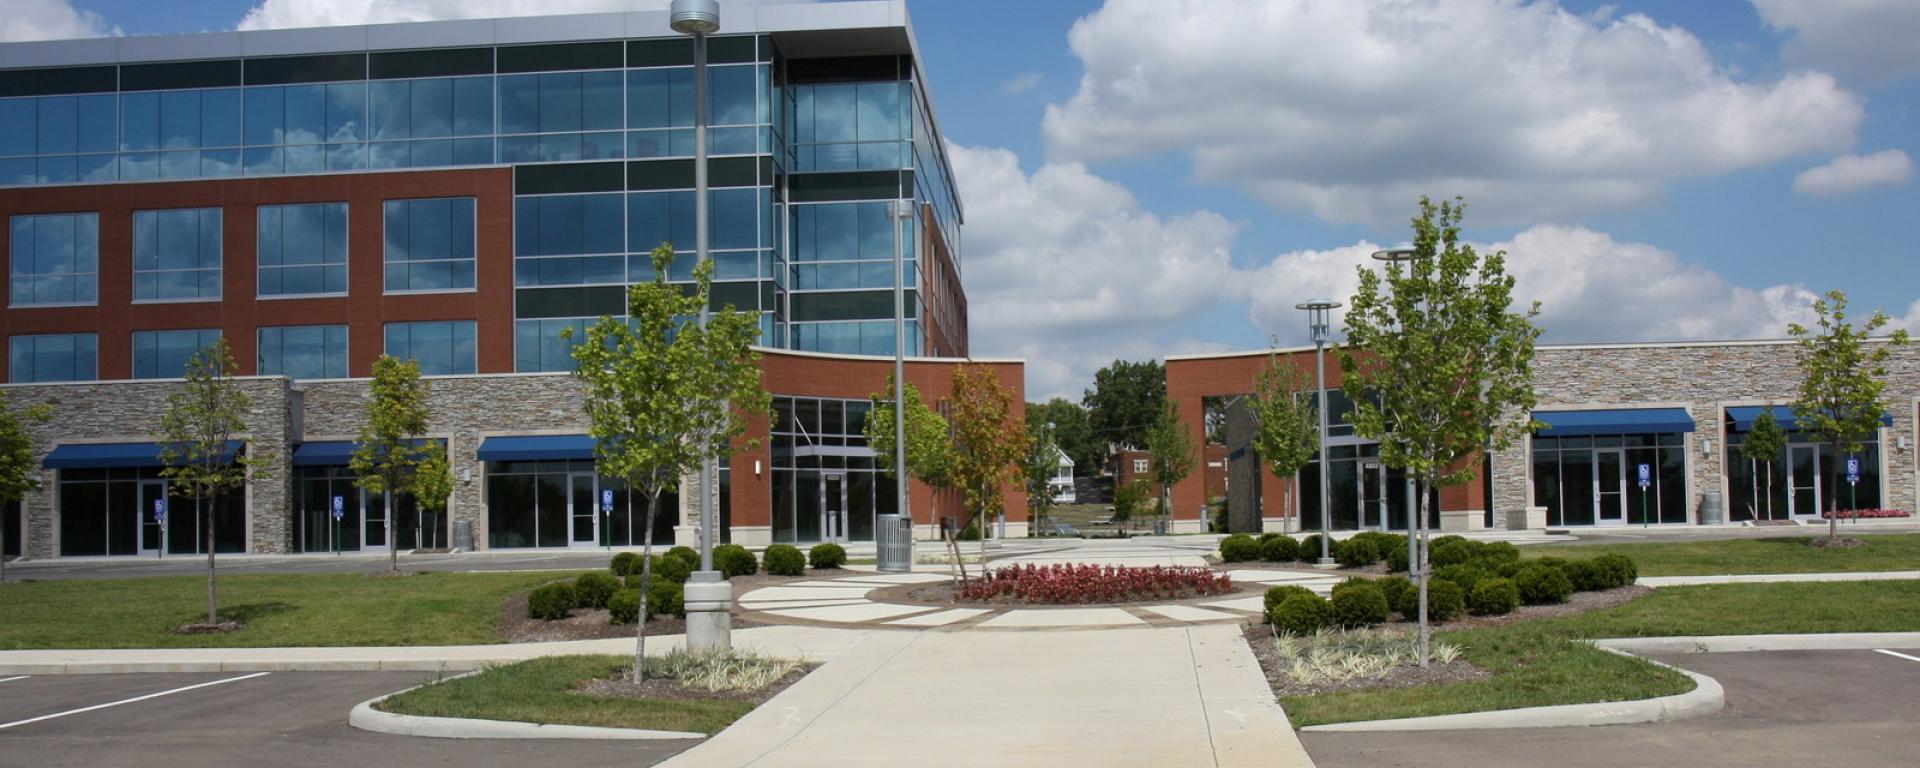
<point>646,576</point>
<point>393,549</point>
<point>198,505</point>
<point>1420,505</point>
<point>1833,503</point>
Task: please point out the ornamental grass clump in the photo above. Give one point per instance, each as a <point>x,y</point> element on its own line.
<point>1073,584</point>
<point>728,669</point>
<point>1337,656</point>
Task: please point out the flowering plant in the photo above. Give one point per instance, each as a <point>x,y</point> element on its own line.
<point>1854,514</point>
<point>1080,584</point>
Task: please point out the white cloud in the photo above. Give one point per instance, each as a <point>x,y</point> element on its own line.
<point>1021,83</point>
<point>49,20</point>
<point>1349,110</point>
<point>1848,174</point>
<point>1871,41</point>
<point>282,14</point>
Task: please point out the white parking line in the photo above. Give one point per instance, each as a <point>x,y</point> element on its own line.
<point>1897,654</point>
<point>182,689</point>
<point>15,677</point>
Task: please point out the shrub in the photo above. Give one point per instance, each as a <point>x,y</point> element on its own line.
<point>1359,606</point>
<point>550,602</point>
<point>1350,582</point>
<point>1512,568</point>
<point>1239,548</point>
<point>1278,595</point>
<point>1621,569</point>
<point>1357,552</point>
<point>686,554</point>
<point>1587,575</point>
<point>1301,614</point>
<point>1437,541</point>
<point>1466,575</point>
<point>1279,548</point>
<point>1397,559</point>
<point>1493,597</point>
<point>828,555</point>
<point>674,569</point>
<point>1393,587</point>
<point>1543,584</point>
<point>624,606</point>
<point>732,669</point>
<point>591,589</point>
<point>784,560</point>
<point>1445,600</point>
<point>734,560</point>
<point>625,563</point>
<point>1500,552</point>
<point>1380,541</point>
<point>666,597</point>
<point>1310,549</point>
<point>1454,552</point>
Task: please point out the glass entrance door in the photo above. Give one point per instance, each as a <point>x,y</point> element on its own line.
<point>153,507</point>
<point>833,507</point>
<point>1803,481</point>
<point>1372,496</point>
<point>374,530</point>
<point>583,501</point>
<point>1610,485</point>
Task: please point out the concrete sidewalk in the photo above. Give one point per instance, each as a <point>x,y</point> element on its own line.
<point>812,643</point>
<point>1162,697</point>
<point>1776,578</point>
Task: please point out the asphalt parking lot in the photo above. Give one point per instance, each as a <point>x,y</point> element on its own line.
<point>286,720</point>
<point>1812,708</point>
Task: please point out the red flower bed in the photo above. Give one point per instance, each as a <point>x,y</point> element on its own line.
<point>1080,584</point>
<point>1853,514</point>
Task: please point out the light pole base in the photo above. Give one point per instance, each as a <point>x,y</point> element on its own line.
<point>1325,562</point>
<point>709,600</point>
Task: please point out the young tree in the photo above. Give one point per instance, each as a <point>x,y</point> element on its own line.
<point>929,454</point>
<point>1763,444</point>
<point>1040,466</point>
<point>432,485</point>
<point>1127,498</point>
<point>1842,380</point>
<point>1288,430</point>
<point>1438,365</point>
<point>18,475</point>
<point>988,443</point>
<point>387,457</point>
<point>1171,454</point>
<point>201,419</point>
<point>1124,400</point>
<point>663,394</point>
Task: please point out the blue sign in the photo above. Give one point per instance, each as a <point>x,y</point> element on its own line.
<point>606,500</point>
<point>339,508</point>
<point>1646,476</point>
<point>1853,471</point>
<point>159,510</point>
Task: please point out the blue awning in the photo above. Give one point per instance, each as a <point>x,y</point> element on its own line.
<point>328,453</point>
<point>1623,421</point>
<point>1744,416</point>
<point>537,447</point>
<point>116,455</point>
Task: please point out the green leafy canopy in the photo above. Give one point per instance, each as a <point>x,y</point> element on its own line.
<point>928,445</point>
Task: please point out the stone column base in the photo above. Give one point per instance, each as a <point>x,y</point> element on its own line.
<point>686,536</point>
<point>709,612</point>
<point>1529,519</point>
<point>1455,521</point>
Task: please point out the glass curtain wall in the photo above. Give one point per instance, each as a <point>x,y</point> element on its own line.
<point>1594,480</point>
<point>1363,493</point>
<point>1803,481</point>
<point>558,504</point>
<point>362,523</point>
<point>110,512</point>
<point>825,484</point>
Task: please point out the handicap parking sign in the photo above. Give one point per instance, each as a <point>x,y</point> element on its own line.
<point>339,507</point>
<point>159,510</point>
<point>606,500</point>
<point>1646,476</point>
<point>1853,471</point>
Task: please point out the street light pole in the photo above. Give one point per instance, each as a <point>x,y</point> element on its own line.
<point>1318,322</point>
<point>1417,552</point>
<point>895,551</point>
<point>709,598</point>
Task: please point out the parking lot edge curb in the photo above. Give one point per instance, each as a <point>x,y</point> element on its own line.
<point>365,717</point>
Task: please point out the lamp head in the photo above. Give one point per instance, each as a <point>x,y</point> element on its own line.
<point>1398,252</point>
<point>694,17</point>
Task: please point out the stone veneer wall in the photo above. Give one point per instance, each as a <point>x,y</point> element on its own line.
<point>1705,379</point>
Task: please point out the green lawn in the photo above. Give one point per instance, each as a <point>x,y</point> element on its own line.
<point>1543,663</point>
<point>539,691</point>
<point>279,610</point>
<point>1786,554</point>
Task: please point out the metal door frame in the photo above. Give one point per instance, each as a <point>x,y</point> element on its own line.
<point>833,519</point>
<point>1600,494</point>
<point>1819,478</point>
<point>145,516</point>
<point>386,522</point>
<point>1379,498</point>
<point>593,511</point>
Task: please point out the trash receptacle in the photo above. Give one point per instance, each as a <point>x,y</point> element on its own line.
<point>893,543</point>
<point>1713,510</point>
<point>463,535</point>
<point>1159,527</point>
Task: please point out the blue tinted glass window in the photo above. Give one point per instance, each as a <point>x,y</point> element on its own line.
<point>537,345</point>
<point>63,357</point>
<point>264,110</point>
<point>879,112</point>
<point>733,217</point>
<point>560,102</point>
<point>388,110</point>
<point>833,113</point>
<point>600,107</point>
<point>733,92</point>
<point>346,111</point>
<point>179,119</point>
<point>556,226</point>
<point>176,254</point>
<point>139,121</point>
<point>164,354</point>
<point>55,259</point>
<point>519,103</point>
<point>17,126</point>
<point>304,352</point>
<point>59,124</point>
<point>306,114</point>
<point>429,244</point>
<point>442,349</point>
<point>97,124</point>
<point>660,98</point>
<point>660,217</point>
<point>303,249</point>
<point>220,118</point>
<point>473,106</point>
<point>432,108</point>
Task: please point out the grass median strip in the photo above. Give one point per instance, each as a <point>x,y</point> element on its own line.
<point>1783,554</point>
<point>278,610</point>
<point>542,691</point>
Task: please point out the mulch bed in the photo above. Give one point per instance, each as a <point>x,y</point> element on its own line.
<point>221,628</point>
<point>941,593</point>
<point>1822,542</point>
<point>1260,637</point>
<point>668,688</point>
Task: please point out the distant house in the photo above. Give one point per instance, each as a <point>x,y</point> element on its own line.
<point>1062,481</point>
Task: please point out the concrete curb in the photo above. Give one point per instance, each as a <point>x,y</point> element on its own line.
<point>1840,641</point>
<point>198,667</point>
<point>1777,578</point>
<point>366,718</point>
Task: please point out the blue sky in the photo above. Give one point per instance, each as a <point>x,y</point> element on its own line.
<point>1141,180</point>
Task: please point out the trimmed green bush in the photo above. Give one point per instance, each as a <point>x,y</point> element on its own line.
<point>1239,548</point>
<point>1445,600</point>
<point>1466,575</point>
<point>1512,568</point>
<point>591,589</point>
<point>674,569</point>
<point>624,563</point>
<point>1493,597</point>
<point>828,555</point>
<point>734,560</point>
<point>1350,582</point>
<point>624,606</point>
<point>784,560</point>
<point>1360,605</point>
<point>1279,548</point>
<point>1301,614</point>
<point>686,554</point>
<point>1393,587</point>
<point>666,598</point>
<point>1357,552</point>
<point>1310,549</point>
<point>1621,570</point>
<point>550,602</point>
<point>1454,552</point>
<point>1500,552</point>
<point>1278,595</point>
<point>1397,559</point>
<point>1588,575</point>
<point>1543,584</point>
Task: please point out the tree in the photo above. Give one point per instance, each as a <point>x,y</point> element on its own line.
<point>1127,498</point>
<point>18,475</point>
<point>201,419</point>
<point>1072,431</point>
<point>988,443</point>
<point>1763,443</point>
<point>1842,380</point>
<point>387,457</point>
<point>1171,454</point>
<point>1447,367</point>
<point>432,485</point>
<point>928,448</point>
<point>1287,431</point>
<point>1124,401</point>
<point>1040,466</point>
<point>663,394</point>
